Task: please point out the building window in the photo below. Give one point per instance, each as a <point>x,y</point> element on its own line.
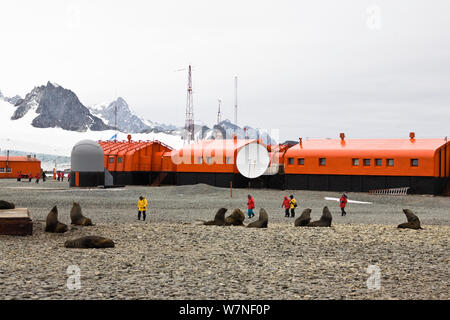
<point>228,160</point>
<point>209,160</point>
<point>378,162</point>
<point>119,159</point>
<point>355,161</point>
<point>290,160</point>
<point>111,160</point>
<point>2,170</point>
<point>414,162</point>
<point>8,170</point>
<point>199,160</point>
<point>301,161</point>
<point>322,161</point>
<point>390,162</point>
<point>366,162</point>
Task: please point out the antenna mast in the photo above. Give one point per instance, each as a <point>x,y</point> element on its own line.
<point>235,104</point>
<point>115,117</point>
<point>219,114</point>
<point>189,124</point>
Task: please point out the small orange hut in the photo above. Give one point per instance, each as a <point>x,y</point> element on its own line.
<point>12,166</point>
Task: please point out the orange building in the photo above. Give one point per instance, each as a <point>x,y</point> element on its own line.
<point>12,166</point>
<point>213,162</point>
<point>134,162</point>
<point>368,164</point>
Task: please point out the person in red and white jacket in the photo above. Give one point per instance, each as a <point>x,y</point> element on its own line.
<point>286,204</point>
<point>342,203</point>
<point>250,206</point>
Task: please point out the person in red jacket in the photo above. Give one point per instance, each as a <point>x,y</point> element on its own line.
<point>342,203</point>
<point>59,175</point>
<point>30,176</point>
<point>286,204</point>
<point>37,177</point>
<point>19,176</point>
<point>62,176</point>
<point>250,206</point>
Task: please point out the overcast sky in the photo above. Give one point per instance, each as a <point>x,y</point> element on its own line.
<point>307,68</point>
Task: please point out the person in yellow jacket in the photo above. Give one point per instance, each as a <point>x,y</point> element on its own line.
<point>142,207</point>
<point>293,205</point>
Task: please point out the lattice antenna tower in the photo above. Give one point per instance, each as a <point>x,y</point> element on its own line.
<point>189,124</point>
<point>219,113</point>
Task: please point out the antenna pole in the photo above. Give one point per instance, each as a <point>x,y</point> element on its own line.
<point>235,103</point>
<point>189,124</point>
<point>219,114</point>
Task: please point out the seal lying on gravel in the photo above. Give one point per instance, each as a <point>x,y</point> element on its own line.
<point>325,219</point>
<point>219,218</point>
<point>304,218</point>
<point>235,219</point>
<point>6,205</point>
<point>89,242</point>
<point>77,217</point>
<point>262,220</point>
<point>413,221</point>
<point>52,224</point>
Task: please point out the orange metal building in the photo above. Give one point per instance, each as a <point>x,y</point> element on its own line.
<point>367,164</point>
<point>134,162</point>
<point>11,166</point>
<point>319,164</point>
<point>213,162</point>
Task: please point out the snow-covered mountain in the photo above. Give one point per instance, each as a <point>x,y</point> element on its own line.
<point>51,119</point>
<point>127,121</point>
<point>20,135</point>
<point>226,129</point>
<point>52,106</point>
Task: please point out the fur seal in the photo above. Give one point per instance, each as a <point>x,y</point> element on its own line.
<point>6,205</point>
<point>89,242</point>
<point>52,224</point>
<point>236,218</point>
<point>77,217</point>
<point>325,219</point>
<point>219,218</point>
<point>262,220</point>
<point>304,218</point>
<point>413,221</point>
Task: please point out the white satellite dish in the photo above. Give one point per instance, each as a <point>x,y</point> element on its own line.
<point>252,160</point>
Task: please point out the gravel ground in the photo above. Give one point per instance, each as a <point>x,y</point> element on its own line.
<point>172,256</point>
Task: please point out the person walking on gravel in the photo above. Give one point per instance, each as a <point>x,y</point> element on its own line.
<point>286,204</point>
<point>292,205</point>
<point>142,207</point>
<point>342,203</point>
<point>250,206</point>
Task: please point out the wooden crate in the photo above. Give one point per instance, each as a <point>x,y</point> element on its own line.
<point>16,222</point>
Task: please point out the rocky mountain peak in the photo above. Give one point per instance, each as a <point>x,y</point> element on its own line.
<point>56,106</point>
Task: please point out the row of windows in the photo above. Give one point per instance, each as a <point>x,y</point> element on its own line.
<point>119,160</point>
<point>3,170</point>
<point>209,160</point>
<point>355,162</point>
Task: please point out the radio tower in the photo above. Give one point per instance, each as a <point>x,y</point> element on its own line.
<point>219,114</point>
<point>189,125</point>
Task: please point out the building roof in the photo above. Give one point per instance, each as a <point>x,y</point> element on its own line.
<point>210,146</point>
<point>367,147</point>
<point>127,147</point>
<point>18,158</point>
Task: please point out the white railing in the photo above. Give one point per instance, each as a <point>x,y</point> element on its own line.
<point>392,191</point>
